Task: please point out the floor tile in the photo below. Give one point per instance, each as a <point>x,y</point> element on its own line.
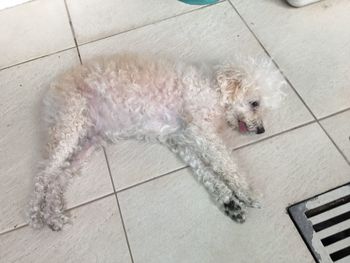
<point>93,237</point>
<point>172,219</point>
<point>338,127</point>
<point>311,46</point>
<point>92,20</point>
<point>212,33</point>
<point>32,30</point>
<point>132,162</point>
<point>23,87</point>
<point>93,182</point>
<point>11,3</point>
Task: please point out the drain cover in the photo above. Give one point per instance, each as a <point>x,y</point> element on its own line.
<point>324,223</point>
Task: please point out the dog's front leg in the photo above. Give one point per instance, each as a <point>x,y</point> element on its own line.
<point>212,150</point>
<point>221,193</point>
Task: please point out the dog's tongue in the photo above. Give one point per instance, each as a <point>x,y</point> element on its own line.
<point>242,126</point>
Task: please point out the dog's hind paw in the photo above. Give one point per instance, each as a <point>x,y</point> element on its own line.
<point>35,220</point>
<point>35,217</point>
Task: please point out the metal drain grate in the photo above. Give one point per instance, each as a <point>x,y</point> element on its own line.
<point>324,223</point>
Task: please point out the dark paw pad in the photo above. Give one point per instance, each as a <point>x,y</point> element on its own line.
<point>235,212</point>
<point>232,206</point>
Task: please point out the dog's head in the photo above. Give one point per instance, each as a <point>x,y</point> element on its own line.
<point>248,87</point>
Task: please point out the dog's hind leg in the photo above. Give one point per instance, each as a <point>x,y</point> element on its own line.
<point>219,191</point>
<point>65,143</point>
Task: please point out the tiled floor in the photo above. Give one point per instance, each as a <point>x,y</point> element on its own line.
<point>143,205</point>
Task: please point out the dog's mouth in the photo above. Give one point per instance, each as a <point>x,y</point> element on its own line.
<point>242,126</point>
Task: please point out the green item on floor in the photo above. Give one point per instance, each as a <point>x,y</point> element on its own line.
<point>199,2</point>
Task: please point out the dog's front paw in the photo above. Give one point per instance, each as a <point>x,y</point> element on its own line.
<point>57,221</point>
<point>235,210</point>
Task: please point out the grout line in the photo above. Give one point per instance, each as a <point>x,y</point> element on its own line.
<point>335,145</point>
<point>118,205</point>
<point>66,210</point>
<point>151,179</point>
<point>36,58</point>
<point>109,168</point>
<point>105,196</point>
<point>289,83</point>
<point>333,114</point>
<point>155,178</point>
<point>95,40</point>
<point>274,135</point>
<point>152,23</point>
<point>89,202</point>
<point>73,31</point>
<point>13,229</point>
<point>16,5</point>
<point>234,149</point>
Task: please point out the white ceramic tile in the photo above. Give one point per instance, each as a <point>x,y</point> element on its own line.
<point>212,33</point>
<point>172,219</point>
<point>93,20</point>
<point>96,235</point>
<point>311,45</point>
<point>22,88</point>
<point>33,29</point>
<point>93,182</point>
<point>11,3</point>
<point>132,162</point>
<point>338,127</point>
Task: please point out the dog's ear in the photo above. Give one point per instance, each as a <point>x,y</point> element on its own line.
<point>229,82</point>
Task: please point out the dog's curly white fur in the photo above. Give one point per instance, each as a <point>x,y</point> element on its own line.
<point>182,106</point>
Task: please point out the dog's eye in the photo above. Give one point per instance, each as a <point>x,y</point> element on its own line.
<point>254,104</point>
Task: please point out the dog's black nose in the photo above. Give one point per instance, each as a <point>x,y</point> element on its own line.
<point>260,130</point>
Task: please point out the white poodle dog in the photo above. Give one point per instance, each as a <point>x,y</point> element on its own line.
<point>185,107</point>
